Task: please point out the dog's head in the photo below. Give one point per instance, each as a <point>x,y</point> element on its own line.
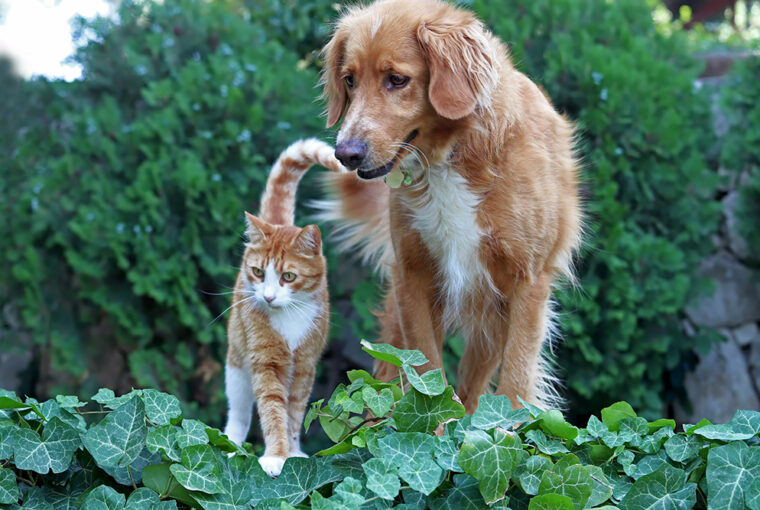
<point>399,72</point>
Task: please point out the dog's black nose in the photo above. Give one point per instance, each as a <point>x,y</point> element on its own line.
<point>351,153</point>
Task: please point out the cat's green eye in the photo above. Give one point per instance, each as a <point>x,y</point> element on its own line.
<point>288,276</point>
<point>257,271</point>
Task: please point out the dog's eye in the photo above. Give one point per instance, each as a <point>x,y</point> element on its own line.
<point>397,81</point>
<point>349,81</point>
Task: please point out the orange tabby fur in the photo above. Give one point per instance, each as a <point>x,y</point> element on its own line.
<point>277,328</point>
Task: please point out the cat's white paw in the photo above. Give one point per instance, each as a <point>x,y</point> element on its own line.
<point>271,465</point>
<point>297,453</point>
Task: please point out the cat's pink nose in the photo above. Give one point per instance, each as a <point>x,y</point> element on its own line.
<point>269,299</point>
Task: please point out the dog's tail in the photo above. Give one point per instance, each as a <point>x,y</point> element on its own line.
<point>279,199</point>
<point>361,208</point>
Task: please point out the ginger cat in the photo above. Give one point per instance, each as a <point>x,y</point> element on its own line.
<point>279,315</point>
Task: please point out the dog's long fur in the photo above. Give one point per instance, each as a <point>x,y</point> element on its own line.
<point>492,217</point>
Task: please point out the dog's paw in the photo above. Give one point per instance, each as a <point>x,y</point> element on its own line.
<point>297,453</point>
<point>272,465</point>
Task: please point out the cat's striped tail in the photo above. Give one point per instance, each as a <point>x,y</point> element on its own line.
<point>279,199</point>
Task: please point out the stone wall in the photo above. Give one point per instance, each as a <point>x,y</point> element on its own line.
<point>727,378</point>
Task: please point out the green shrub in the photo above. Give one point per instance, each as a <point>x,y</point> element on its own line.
<point>643,130</point>
<point>740,154</point>
<point>137,452</point>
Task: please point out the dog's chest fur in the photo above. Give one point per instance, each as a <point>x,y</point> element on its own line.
<point>445,215</point>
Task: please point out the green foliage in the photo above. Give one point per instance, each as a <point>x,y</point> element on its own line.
<point>643,133</point>
<point>482,461</point>
<point>740,154</point>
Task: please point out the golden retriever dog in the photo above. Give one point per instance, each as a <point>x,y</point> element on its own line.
<point>490,215</point>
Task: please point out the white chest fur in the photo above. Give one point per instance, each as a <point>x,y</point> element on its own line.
<point>294,323</point>
<point>446,218</point>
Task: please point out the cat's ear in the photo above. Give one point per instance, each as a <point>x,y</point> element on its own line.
<point>309,241</point>
<point>257,230</point>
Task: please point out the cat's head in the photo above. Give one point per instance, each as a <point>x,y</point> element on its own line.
<point>282,265</point>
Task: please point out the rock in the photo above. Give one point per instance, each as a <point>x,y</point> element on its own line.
<point>719,386</point>
<point>736,243</point>
<point>735,299</point>
<point>747,334</point>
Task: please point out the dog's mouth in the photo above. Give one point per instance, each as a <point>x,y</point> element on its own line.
<point>384,169</point>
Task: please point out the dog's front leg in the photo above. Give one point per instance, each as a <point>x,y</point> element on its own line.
<point>521,372</point>
<point>413,317</point>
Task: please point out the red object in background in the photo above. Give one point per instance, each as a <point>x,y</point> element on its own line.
<point>701,11</point>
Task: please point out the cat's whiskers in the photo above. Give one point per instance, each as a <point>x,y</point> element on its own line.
<point>236,303</point>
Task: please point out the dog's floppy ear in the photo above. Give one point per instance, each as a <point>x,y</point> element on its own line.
<point>333,90</point>
<point>461,60</point>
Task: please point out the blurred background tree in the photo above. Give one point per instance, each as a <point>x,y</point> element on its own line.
<point>124,193</point>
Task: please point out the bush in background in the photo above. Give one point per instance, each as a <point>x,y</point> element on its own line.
<point>125,195</point>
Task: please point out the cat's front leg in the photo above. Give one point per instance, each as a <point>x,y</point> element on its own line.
<point>306,357</point>
<point>237,386</point>
<point>270,388</point>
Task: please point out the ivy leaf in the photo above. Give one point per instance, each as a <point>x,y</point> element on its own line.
<point>349,493</point>
<point>69,401</point>
<point>752,496</point>
<point>104,497</point>
<point>34,499</point>
<point>382,478</point>
<point>119,438</point>
<point>199,469</point>
<point>6,440</point>
<point>108,399</point>
<point>133,472</point>
<point>681,448</point>
<point>379,403</point>
<point>159,477</point>
<point>731,469</point>
<point>551,502</point>
<point>311,415</point>
<point>446,454</point>
<point>412,454</point>
<point>544,445</point>
<point>602,488</point>
<point>161,408</point>
<point>8,487</point>
<point>661,423</point>
<point>490,460</point>
<point>614,414</point>
<point>193,433</point>
<point>596,428</point>
<point>142,499</point>
<point>422,413</point>
<point>299,478</point>
<point>236,498</point>
<point>554,423</point>
<point>665,488</point>
<point>164,439</point>
<point>496,411</point>
<point>464,495</point>
<point>52,452</point>
<point>744,425</point>
<point>429,383</point>
<point>529,473</point>
<point>393,355</point>
<point>568,478</point>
